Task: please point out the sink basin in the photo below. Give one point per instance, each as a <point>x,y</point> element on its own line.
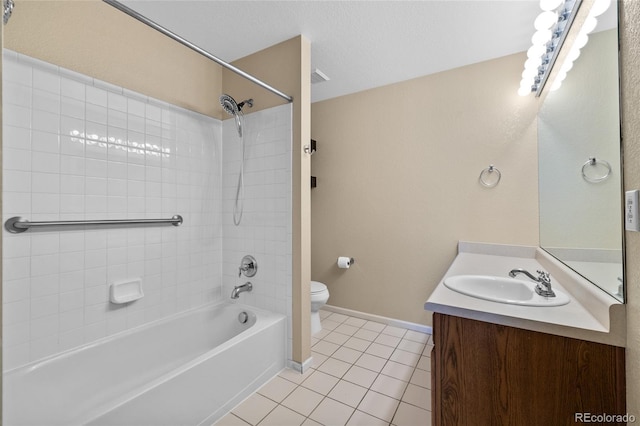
<point>503,290</point>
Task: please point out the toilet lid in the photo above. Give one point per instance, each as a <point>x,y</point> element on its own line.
<point>317,287</point>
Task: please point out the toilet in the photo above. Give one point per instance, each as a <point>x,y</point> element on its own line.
<point>319,296</point>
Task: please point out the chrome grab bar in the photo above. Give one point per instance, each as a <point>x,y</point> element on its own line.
<point>16,224</point>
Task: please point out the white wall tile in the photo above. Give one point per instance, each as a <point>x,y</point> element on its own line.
<point>65,160</point>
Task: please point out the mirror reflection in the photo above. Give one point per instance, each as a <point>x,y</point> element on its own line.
<point>579,164</point>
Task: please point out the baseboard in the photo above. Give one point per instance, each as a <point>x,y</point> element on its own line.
<point>300,367</point>
<point>377,318</point>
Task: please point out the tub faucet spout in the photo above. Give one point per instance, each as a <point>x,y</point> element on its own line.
<point>240,288</point>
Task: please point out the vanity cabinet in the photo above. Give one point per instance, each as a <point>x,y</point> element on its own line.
<point>490,374</point>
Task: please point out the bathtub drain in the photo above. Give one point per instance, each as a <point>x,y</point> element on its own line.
<point>243,317</point>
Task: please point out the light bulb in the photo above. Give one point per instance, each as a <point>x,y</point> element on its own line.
<point>533,64</point>
<point>529,73</point>
<point>536,51</point>
<point>550,4</point>
<point>574,54</point>
<point>589,25</point>
<point>524,91</point>
<point>541,37</point>
<point>561,76</point>
<point>581,41</point>
<point>566,67</point>
<point>599,7</point>
<point>545,20</point>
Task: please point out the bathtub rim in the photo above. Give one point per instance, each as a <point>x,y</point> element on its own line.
<point>40,363</point>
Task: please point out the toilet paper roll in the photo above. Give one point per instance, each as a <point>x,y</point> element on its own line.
<point>344,262</point>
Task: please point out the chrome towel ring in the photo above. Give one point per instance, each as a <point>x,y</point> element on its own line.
<point>595,162</point>
<point>486,175</point>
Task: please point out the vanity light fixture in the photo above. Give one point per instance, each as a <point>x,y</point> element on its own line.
<point>551,27</point>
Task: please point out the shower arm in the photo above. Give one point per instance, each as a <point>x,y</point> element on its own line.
<point>121,7</point>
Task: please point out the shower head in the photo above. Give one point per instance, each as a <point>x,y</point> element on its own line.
<point>231,106</point>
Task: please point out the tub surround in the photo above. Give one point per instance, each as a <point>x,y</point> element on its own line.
<point>591,315</point>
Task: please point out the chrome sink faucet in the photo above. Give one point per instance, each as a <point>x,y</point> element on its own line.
<point>241,288</point>
<point>543,288</point>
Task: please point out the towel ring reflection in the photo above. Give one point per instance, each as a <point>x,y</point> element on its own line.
<point>484,175</point>
<point>595,162</point>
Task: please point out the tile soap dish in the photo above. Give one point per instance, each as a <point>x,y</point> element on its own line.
<point>125,291</point>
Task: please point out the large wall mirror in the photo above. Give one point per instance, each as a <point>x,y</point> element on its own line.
<point>579,164</point>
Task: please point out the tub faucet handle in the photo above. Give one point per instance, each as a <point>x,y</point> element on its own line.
<point>248,266</point>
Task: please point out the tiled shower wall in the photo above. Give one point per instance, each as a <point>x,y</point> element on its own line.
<point>78,148</point>
<point>265,230</point>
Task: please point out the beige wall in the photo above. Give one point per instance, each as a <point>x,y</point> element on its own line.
<point>630,79</point>
<point>93,38</point>
<point>397,171</point>
<point>287,67</point>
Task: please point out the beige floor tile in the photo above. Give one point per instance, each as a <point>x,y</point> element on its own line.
<point>231,420</point>
<point>404,357</point>
<point>320,382</point>
<point>418,396</point>
<point>335,367</point>
<point>335,337</point>
<point>394,331</point>
<point>325,348</point>
<point>282,416</point>
<point>356,322</point>
<point>338,317</point>
<point>303,401</point>
<point>347,355</point>
<point>357,344</point>
<point>318,359</point>
<point>374,326</point>
<point>386,339</point>
<point>421,378</point>
<point>321,334</point>
<point>366,334</point>
<point>332,413</point>
<point>398,371</point>
<point>295,376</point>
<point>380,350</point>
<point>254,408</point>
<point>371,362</point>
<point>408,415</point>
<point>324,313</point>
<point>416,336</point>
<point>349,330</point>
<point>277,389</point>
<point>360,376</point>
<point>328,325</point>
<point>411,346</point>
<point>378,405</point>
<point>347,393</point>
<point>389,386</point>
<point>363,419</point>
<point>427,349</point>
<point>424,363</point>
<point>309,422</point>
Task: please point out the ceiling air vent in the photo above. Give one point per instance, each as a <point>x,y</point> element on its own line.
<point>318,76</point>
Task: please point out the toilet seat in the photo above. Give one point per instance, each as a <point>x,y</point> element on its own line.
<point>317,287</point>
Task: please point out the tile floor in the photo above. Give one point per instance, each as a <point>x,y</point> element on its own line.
<point>364,373</point>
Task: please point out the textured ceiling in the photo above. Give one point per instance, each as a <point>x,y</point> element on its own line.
<point>358,44</point>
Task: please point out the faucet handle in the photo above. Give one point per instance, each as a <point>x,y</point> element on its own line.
<point>248,266</point>
<point>543,276</point>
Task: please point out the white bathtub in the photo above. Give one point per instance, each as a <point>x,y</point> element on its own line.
<point>188,369</point>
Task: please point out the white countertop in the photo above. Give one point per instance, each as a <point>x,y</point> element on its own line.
<point>590,315</point>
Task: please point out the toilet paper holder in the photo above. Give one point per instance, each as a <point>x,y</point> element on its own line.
<point>345,262</point>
